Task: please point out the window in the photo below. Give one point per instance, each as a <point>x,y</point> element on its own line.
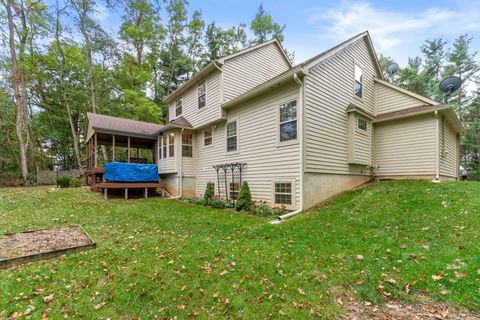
<point>201,91</point>
<point>358,81</point>
<point>288,121</point>
<point>187,147</point>
<point>207,137</point>
<point>232,136</point>
<point>178,107</point>
<point>171,144</point>
<point>283,193</point>
<point>159,149</point>
<point>234,189</point>
<point>164,145</point>
<point>362,124</point>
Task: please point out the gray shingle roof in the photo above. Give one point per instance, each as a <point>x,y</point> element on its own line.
<point>101,122</point>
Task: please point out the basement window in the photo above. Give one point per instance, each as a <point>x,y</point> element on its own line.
<point>234,189</point>
<point>187,145</point>
<point>283,193</point>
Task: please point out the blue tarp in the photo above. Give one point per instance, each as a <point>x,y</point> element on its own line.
<point>131,172</point>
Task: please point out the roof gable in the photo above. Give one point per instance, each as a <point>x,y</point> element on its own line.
<point>325,55</point>
<point>416,96</point>
<point>256,47</point>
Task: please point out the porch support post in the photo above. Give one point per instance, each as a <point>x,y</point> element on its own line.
<point>95,151</point>
<point>113,148</point>
<point>128,143</point>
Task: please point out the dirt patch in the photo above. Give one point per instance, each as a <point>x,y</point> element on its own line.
<point>424,309</point>
<point>39,244</point>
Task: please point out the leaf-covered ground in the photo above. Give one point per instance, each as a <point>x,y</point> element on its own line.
<point>162,258</point>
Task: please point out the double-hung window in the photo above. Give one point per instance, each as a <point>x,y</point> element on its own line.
<point>164,145</point>
<point>234,189</point>
<point>171,144</point>
<point>187,145</point>
<point>178,107</point>
<point>288,121</point>
<point>207,137</point>
<point>358,86</point>
<point>232,136</point>
<point>201,91</point>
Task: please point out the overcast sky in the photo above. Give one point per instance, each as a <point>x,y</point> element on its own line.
<point>397,27</point>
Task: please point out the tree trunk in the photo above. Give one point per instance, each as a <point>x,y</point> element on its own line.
<point>76,147</point>
<point>19,94</point>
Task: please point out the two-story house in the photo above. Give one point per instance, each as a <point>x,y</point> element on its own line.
<point>302,133</point>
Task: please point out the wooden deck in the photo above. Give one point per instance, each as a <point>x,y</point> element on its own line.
<point>127,185</point>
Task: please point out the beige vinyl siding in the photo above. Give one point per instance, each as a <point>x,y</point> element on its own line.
<point>251,69</point>
<point>190,111</point>
<point>188,163</point>
<point>389,100</point>
<point>406,146</point>
<point>448,150</point>
<point>258,130</point>
<point>329,91</point>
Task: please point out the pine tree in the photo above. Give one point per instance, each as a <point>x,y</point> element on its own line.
<point>209,192</point>
<point>244,200</point>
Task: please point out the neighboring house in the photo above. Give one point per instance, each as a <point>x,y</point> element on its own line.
<point>305,132</point>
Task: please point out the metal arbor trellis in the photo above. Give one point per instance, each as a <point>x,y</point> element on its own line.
<point>234,168</point>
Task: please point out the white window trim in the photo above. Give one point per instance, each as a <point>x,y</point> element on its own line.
<point>294,192</point>
<point>238,137</point>
<point>356,63</point>
<point>191,145</point>
<point>277,110</point>
<point>169,144</point>
<point>211,144</point>
<point>175,105</point>
<point>204,107</point>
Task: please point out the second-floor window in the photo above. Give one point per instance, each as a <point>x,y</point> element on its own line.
<point>232,136</point>
<point>178,107</point>
<point>358,86</point>
<point>201,91</point>
<point>164,145</point>
<point>171,144</point>
<point>187,145</point>
<point>288,121</point>
<point>207,137</point>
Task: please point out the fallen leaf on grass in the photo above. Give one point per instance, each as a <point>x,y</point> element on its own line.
<point>29,310</point>
<point>301,291</point>
<point>48,299</point>
<point>437,277</point>
<point>99,305</point>
<point>359,257</point>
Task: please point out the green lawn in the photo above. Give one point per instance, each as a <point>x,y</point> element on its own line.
<point>162,258</point>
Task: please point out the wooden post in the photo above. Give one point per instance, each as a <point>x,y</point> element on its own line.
<point>145,194</point>
<point>126,193</point>
<point>113,148</point>
<point>128,143</point>
<point>95,151</point>
<point>138,152</point>
<point>105,193</point>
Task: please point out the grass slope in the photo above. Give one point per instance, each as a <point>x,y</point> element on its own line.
<point>163,258</point>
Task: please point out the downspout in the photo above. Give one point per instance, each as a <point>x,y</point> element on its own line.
<point>181,165</point>
<point>281,218</point>
<point>437,149</point>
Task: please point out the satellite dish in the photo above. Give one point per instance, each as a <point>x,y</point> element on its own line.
<point>392,68</point>
<point>450,84</point>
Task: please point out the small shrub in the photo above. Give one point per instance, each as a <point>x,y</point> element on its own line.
<point>216,202</point>
<point>209,192</point>
<point>264,210</point>
<point>244,200</point>
<point>63,182</point>
<point>200,201</point>
<point>188,199</point>
<point>74,183</point>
